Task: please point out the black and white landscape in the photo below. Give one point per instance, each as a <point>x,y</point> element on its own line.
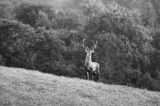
<point>79,53</point>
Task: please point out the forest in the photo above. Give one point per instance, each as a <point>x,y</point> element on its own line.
<point>48,36</point>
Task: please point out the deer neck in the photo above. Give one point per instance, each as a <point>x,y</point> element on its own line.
<point>88,58</point>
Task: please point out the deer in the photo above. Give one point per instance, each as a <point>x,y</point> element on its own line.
<point>92,68</point>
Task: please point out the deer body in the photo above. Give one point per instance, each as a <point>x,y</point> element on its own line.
<point>91,67</point>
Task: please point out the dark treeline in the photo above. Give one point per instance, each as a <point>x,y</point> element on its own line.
<point>40,37</point>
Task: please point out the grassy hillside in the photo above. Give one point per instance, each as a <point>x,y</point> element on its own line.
<point>20,87</point>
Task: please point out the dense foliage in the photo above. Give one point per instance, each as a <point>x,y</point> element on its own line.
<point>38,36</point>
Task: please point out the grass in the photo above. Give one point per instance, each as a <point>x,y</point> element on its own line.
<point>20,87</point>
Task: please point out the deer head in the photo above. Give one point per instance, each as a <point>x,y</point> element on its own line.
<point>90,50</point>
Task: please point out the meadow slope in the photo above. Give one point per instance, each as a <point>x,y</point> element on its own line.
<point>20,87</point>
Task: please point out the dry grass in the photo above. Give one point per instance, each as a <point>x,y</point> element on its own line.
<point>20,87</point>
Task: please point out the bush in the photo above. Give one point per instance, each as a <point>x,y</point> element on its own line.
<point>43,15</point>
<point>2,62</point>
<point>64,20</point>
<point>123,40</point>
<point>148,82</point>
<point>34,15</point>
<point>15,40</point>
<point>40,49</point>
<point>6,10</point>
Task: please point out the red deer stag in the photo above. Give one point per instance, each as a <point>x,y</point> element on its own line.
<point>92,68</point>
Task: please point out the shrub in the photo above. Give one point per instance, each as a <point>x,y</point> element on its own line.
<point>148,82</point>
<point>2,62</point>
<point>43,15</point>
<point>6,10</point>
<point>65,20</point>
<point>15,40</point>
<point>34,15</point>
<point>40,49</point>
<point>124,43</point>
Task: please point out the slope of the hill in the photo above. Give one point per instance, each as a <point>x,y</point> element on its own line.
<point>20,87</point>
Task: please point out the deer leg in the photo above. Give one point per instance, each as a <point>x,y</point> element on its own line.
<point>92,75</point>
<point>96,76</point>
<point>88,75</point>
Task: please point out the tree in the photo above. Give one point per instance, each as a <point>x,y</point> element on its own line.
<point>124,43</point>
<point>34,15</point>
<point>6,10</point>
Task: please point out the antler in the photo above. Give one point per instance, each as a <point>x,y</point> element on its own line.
<point>95,45</point>
<point>84,45</point>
